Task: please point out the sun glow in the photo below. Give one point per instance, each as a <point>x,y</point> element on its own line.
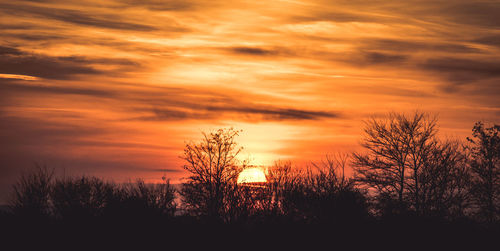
<point>252,175</point>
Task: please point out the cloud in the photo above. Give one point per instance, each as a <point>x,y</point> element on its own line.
<point>169,104</point>
<point>460,70</point>
<point>245,113</point>
<point>6,51</point>
<point>43,89</point>
<point>75,17</point>
<point>32,37</point>
<point>15,61</point>
<point>493,40</point>
<point>370,58</point>
<point>253,51</point>
<point>383,58</point>
<point>272,113</point>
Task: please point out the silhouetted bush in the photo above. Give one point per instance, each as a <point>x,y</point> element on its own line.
<point>81,198</point>
<point>39,196</point>
<point>141,200</point>
<point>325,195</point>
<point>31,197</point>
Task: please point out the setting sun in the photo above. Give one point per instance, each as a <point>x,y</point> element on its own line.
<point>252,175</point>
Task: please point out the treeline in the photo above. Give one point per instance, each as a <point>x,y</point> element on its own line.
<point>405,171</point>
<point>405,176</point>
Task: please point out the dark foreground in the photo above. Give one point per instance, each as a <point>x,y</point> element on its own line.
<point>188,233</point>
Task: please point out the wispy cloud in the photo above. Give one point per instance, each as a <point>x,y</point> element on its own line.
<point>77,17</point>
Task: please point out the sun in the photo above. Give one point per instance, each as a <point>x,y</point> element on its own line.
<point>252,175</point>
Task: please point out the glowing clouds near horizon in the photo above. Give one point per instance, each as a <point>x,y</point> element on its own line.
<point>252,175</point>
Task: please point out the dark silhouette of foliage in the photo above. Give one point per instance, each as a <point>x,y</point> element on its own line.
<point>80,198</point>
<point>38,195</point>
<point>213,169</point>
<point>485,168</point>
<point>31,197</point>
<point>147,200</point>
<point>325,195</point>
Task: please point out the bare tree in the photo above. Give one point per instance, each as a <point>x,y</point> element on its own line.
<point>213,167</point>
<point>444,180</point>
<point>328,175</point>
<point>396,149</point>
<point>485,167</point>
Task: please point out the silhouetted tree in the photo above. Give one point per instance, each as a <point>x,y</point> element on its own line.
<point>444,180</point>
<point>397,147</point>
<point>31,197</point>
<point>213,169</point>
<point>485,168</point>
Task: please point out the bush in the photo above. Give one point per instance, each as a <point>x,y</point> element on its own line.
<point>31,197</point>
<point>81,198</point>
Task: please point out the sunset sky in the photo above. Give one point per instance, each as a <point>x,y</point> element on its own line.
<point>115,88</point>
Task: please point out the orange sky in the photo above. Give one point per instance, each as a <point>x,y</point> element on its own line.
<point>116,87</point>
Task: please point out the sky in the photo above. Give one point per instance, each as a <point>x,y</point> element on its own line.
<point>116,88</point>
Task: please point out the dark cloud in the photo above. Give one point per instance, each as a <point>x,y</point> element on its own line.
<point>368,58</point>
<point>253,51</point>
<point>493,40</point>
<point>10,26</point>
<point>42,89</point>
<point>383,58</point>
<point>9,51</point>
<point>75,17</point>
<point>107,61</point>
<point>32,37</point>
<point>462,71</point>
<point>246,113</point>
<point>271,113</point>
<point>16,62</point>
<point>168,114</point>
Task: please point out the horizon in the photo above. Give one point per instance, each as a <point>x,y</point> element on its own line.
<point>117,88</point>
